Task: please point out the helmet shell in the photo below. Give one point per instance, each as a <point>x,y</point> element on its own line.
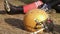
<point>31,16</point>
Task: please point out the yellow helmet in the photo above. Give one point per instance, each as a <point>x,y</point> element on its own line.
<point>33,17</point>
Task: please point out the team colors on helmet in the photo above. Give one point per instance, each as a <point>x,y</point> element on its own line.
<point>32,16</point>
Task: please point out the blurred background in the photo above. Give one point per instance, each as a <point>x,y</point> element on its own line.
<point>12,24</point>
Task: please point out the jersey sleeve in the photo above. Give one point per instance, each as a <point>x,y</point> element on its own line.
<point>31,6</point>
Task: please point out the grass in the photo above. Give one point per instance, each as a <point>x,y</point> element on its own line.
<point>27,1</point>
<point>21,2</point>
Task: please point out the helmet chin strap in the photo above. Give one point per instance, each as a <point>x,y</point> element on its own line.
<point>38,31</point>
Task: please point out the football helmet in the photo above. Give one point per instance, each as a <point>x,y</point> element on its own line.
<point>33,20</point>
